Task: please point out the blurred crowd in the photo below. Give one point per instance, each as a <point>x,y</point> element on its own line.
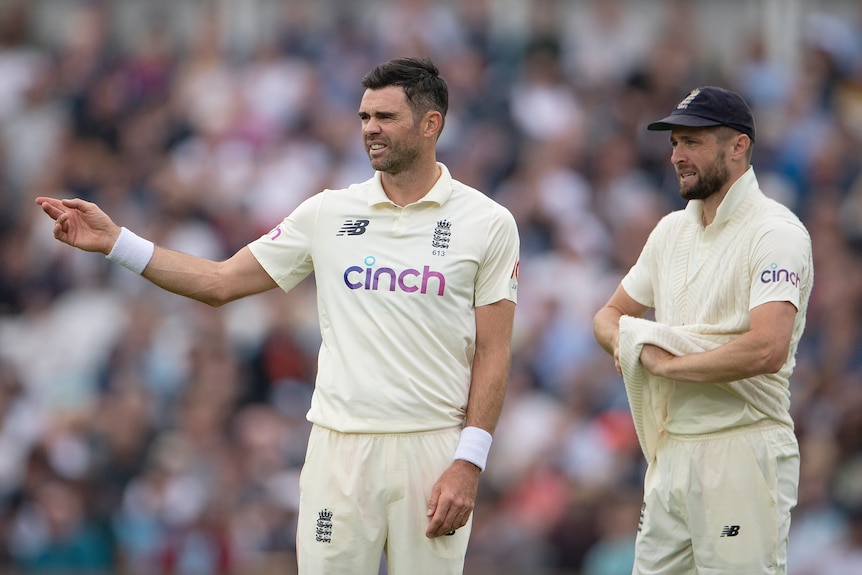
<point>145,434</point>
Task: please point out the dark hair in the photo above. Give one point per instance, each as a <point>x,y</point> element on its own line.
<point>725,133</point>
<point>418,77</point>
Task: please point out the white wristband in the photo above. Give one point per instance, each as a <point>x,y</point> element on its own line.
<point>474,446</point>
<point>132,251</point>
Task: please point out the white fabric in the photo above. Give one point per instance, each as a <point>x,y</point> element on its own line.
<point>361,493</point>
<point>714,275</point>
<point>474,445</point>
<point>707,279</point>
<point>131,251</point>
<point>648,394</point>
<point>719,504</point>
<point>397,290</point>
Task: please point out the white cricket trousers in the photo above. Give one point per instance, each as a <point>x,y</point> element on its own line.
<point>362,495</point>
<point>719,504</point>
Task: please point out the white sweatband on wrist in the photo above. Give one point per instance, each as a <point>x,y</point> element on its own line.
<point>132,251</point>
<point>474,446</point>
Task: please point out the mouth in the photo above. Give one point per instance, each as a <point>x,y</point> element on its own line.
<point>686,175</point>
<point>376,147</point>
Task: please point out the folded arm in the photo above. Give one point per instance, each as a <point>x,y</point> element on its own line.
<point>762,349</point>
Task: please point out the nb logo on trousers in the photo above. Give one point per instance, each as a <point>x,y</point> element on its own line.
<point>730,531</point>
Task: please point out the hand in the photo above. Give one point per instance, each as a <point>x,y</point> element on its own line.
<point>616,345</point>
<point>81,224</point>
<point>452,498</point>
<point>655,359</point>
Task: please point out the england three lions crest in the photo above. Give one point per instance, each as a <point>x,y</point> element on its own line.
<point>442,234</point>
<point>323,530</point>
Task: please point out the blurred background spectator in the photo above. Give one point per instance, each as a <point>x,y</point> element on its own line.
<point>143,434</point>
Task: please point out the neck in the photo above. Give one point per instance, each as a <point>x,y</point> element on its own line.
<point>410,186</point>
<point>710,204</point>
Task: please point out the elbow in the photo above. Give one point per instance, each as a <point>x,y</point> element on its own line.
<point>221,288</point>
<point>774,359</point>
<point>606,330</point>
<point>774,365</point>
<point>209,299</point>
<point>598,324</point>
<point>217,300</point>
<point>215,297</point>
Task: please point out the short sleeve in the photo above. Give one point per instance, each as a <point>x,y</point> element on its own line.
<point>638,282</point>
<point>285,251</point>
<point>780,265</point>
<point>497,276</point>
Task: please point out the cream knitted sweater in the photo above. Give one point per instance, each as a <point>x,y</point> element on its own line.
<point>647,393</point>
<point>708,304</point>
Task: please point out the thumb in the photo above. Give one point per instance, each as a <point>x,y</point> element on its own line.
<point>77,203</point>
<point>432,503</point>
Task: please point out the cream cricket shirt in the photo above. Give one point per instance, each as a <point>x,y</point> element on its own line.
<point>708,279</point>
<point>396,292</point>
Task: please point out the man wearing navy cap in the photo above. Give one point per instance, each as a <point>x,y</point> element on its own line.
<point>729,278</point>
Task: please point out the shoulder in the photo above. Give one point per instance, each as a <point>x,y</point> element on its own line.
<point>362,188</point>
<point>354,194</point>
<point>672,223</point>
<point>479,203</point>
<point>773,216</point>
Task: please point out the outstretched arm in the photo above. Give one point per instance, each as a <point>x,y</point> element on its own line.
<point>84,225</point>
<point>454,494</point>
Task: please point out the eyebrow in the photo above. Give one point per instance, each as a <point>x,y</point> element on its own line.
<point>379,114</point>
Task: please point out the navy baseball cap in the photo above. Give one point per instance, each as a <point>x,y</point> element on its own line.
<point>709,106</point>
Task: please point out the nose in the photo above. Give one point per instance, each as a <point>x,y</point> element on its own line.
<point>370,126</point>
<point>676,155</point>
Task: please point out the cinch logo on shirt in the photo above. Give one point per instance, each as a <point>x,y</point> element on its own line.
<point>387,279</point>
<point>773,275</point>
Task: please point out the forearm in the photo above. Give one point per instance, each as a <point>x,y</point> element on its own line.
<point>488,388</point>
<point>484,405</point>
<point>188,276</point>
<point>488,383</point>
<point>606,322</point>
<point>606,328</point>
<point>739,359</point>
<point>213,283</point>
<point>490,374</point>
<point>762,349</point>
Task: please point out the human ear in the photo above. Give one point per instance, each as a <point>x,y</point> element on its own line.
<point>741,145</point>
<point>432,123</point>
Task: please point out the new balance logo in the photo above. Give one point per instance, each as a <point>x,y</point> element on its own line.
<point>353,228</point>
<point>730,531</point>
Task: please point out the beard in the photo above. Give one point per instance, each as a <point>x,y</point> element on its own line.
<point>709,181</point>
<point>398,159</point>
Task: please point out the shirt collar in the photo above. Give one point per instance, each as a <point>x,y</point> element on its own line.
<point>731,202</point>
<point>439,192</point>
